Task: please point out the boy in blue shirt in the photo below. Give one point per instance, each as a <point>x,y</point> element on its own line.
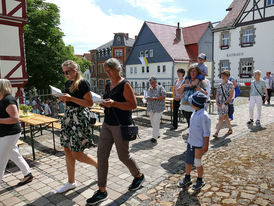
<point>198,140</point>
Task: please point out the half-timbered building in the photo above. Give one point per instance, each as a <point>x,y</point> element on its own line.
<point>13,17</point>
<point>244,39</point>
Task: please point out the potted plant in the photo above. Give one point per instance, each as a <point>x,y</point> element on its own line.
<point>25,108</point>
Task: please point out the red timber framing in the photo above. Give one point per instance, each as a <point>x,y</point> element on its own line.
<point>10,18</point>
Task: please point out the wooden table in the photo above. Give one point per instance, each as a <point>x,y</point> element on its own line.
<point>36,120</point>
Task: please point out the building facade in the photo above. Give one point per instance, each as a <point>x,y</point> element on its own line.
<point>118,48</point>
<point>13,17</point>
<point>244,39</point>
<point>165,50</point>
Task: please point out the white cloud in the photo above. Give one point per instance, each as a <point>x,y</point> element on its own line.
<point>158,8</point>
<point>86,26</point>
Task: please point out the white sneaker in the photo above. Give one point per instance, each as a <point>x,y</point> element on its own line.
<point>68,186</point>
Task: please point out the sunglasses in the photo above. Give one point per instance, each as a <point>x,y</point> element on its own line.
<point>66,72</point>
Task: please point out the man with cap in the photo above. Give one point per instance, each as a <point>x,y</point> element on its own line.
<point>198,140</point>
<point>201,64</point>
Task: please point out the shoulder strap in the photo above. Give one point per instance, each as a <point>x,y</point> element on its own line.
<point>223,91</point>
<point>257,89</point>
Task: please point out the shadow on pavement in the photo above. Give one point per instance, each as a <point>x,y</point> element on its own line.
<point>255,128</point>
<point>175,164</point>
<point>120,200</point>
<point>173,133</point>
<point>220,141</point>
<point>55,198</point>
<point>144,145</point>
<point>187,198</point>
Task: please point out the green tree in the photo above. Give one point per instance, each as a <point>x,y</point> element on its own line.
<point>45,48</point>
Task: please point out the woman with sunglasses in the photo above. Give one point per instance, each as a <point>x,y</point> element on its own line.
<point>76,133</point>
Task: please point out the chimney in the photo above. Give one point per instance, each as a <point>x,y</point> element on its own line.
<point>178,33</point>
<point>136,36</point>
<point>126,35</point>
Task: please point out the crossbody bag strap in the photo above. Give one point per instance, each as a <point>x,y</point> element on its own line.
<point>257,89</point>
<point>223,92</point>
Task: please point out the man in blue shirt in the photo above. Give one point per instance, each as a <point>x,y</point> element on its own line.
<point>198,140</point>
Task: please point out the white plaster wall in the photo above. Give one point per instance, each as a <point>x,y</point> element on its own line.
<point>262,51</point>
<point>9,41</point>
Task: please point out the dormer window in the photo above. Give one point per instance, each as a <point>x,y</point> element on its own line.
<point>225,40</point>
<point>141,53</point>
<point>151,52</point>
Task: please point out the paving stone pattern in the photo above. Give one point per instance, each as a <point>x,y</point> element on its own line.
<point>238,169</point>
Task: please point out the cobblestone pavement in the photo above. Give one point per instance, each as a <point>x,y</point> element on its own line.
<point>238,169</point>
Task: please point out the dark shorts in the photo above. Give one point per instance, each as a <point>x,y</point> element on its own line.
<point>190,154</point>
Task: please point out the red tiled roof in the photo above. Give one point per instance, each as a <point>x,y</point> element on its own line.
<point>87,56</point>
<point>234,11</point>
<point>193,34</point>
<point>79,55</point>
<point>166,35</point>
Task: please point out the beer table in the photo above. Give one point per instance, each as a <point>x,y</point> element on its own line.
<point>33,120</point>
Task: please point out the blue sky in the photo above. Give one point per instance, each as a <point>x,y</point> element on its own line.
<point>88,24</point>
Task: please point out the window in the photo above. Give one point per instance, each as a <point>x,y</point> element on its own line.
<point>151,52</point>
<point>164,68</point>
<point>107,81</point>
<point>143,69</point>
<point>247,36</point>
<point>158,69</point>
<point>164,84</point>
<point>131,70</point>
<point>146,53</point>
<point>246,67</point>
<point>224,65</point>
<point>131,83</point>
<point>135,70</point>
<point>143,85</point>
<point>141,53</point>
<point>270,2</point>
<point>118,53</point>
<point>147,69</point>
<point>101,84</point>
<point>225,40</point>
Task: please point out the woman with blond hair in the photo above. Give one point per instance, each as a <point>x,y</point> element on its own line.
<point>76,130</point>
<point>10,132</point>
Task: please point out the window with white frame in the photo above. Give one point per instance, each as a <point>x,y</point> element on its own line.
<point>246,67</point>
<point>135,70</point>
<point>164,84</point>
<point>158,69</point>
<point>143,69</point>
<point>131,70</point>
<point>131,83</point>
<point>101,84</point>
<point>151,52</point>
<point>270,2</point>
<point>164,68</point>
<point>225,40</point>
<point>143,85</point>
<point>136,85</point>
<point>146,53</point>
<point>141,53</point>
<point>247,36</point>
<point>118,53</point>
<point>224,65</point>
<point>147,69</point>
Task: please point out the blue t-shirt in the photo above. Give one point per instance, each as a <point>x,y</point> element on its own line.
<point>203,68</point>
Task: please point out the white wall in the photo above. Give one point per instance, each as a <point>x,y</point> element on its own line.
<point>139,77</point>
<point>262,51</point>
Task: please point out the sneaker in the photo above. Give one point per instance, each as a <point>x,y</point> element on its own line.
<point>28,178</point>
<point>250,121</point>
<point>184,183</point>
<point>97,197</point>
<point>136,183</point>
<point>258,123</point>
<point>68,186</point>
<point>198,185</point>
<point>153,140</point>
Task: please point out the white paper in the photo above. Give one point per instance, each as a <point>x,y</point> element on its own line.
<point>55,91</point>
<point>96,98</point>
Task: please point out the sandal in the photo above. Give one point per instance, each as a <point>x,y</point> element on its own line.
<point>215,135</point>
<point>229,132</point>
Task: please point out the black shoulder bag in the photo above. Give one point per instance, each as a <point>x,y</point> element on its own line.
<point>230,106</point>
<point>128,132</point>
<point>263,97</point>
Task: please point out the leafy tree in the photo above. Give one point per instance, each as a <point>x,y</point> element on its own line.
<point>45,48</point>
